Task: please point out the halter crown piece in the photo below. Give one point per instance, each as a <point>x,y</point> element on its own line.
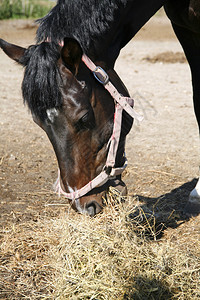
<point>121,103</point>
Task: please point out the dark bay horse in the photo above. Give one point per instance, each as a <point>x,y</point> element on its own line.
<point>69,103</point>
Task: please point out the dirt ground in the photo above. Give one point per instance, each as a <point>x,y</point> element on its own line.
<point>163,151</point>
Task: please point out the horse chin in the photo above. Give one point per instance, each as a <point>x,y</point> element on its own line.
<point>94,202</point>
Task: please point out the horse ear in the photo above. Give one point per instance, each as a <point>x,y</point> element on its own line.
<point>71,54</point>
<point>13,51</point>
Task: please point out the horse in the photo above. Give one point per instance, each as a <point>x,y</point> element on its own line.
<point>66,79</point>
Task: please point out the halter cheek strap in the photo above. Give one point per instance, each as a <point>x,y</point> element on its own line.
<point>121,103</point>
<point>125,102</point>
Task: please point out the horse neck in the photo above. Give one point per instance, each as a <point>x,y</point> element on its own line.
<point>102,29</point>
<point>134,15</point>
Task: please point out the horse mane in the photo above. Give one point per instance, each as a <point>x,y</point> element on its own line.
<point>86,21</point>
<point>42,79</point>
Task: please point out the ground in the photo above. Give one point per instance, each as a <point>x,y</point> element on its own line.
<point>162,151</point>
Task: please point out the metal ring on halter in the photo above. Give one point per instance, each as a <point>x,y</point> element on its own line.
<point>101,75</point>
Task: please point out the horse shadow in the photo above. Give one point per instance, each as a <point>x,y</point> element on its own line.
<point>146,288</point>
<point>157,214</point>
<point>151,217</point>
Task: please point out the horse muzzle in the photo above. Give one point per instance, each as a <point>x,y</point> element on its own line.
<point>90,208</point>
<point>93,204</point>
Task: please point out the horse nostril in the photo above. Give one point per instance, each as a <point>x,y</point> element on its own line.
<point>93,208</point>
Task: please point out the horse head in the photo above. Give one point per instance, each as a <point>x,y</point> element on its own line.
<point>75,111</point>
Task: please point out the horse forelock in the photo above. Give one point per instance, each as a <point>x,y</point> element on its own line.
<point>42,80</point>
<point>86,21</point>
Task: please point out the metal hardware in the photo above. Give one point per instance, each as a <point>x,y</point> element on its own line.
<point>101,75</point>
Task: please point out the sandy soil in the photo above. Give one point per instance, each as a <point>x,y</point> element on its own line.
<point>163,151</point>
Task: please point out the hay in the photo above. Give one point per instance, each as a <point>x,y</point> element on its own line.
<point>24,267</point>
<point>106,257</point>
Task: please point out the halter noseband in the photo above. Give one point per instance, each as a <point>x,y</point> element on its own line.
<point>109,171</point>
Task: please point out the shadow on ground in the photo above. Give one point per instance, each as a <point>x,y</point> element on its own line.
<point>167,210</point>
<point>145,288</point>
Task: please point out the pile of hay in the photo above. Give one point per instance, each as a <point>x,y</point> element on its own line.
<point>106,257</point>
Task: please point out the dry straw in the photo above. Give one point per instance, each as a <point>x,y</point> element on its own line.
<point>115,255</point>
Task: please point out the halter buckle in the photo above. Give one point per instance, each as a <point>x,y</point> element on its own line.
<point>101,75</point>
<point>107,169</point>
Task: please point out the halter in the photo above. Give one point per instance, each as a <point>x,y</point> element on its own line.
<point>121,103</point>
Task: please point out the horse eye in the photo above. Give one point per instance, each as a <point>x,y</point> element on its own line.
<point>85,118</point>
<point>85,122</point>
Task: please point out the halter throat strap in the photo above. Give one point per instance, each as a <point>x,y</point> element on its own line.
<point>121,103</point>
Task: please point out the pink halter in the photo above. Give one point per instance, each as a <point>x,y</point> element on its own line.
<point>109,171</point>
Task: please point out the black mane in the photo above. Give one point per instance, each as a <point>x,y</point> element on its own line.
<point>42,80</point>
<point>86,21</point>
